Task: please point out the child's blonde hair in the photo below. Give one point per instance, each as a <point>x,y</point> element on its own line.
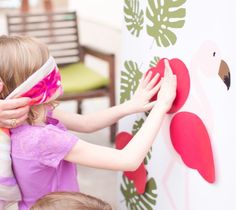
<point>20,57</point>
<point>71,201</point>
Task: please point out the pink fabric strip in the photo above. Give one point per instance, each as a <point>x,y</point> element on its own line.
<point>45,88</point>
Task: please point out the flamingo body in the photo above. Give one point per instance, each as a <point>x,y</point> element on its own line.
<point>190,139</point>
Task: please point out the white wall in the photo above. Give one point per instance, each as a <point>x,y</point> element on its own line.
<point>184,188</point>
<point>100,27</point>
<point>106,12</point>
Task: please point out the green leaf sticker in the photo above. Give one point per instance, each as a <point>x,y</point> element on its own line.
<point>148,157</point>
<point>147,113</point>
<point>129,80</point>
<point>134,17</point>
<point>154,62</point>
<point>135,201</point>
<point>137,125</point>
<point>165,15</point>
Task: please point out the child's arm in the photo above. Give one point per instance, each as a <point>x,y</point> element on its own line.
<point>130,157</point>
<point>140,102</point>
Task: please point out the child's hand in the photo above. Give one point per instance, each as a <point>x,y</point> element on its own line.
<point>167,92</point>
<point>140,101</point>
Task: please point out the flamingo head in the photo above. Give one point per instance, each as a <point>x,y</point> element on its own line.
<point>212,64</point>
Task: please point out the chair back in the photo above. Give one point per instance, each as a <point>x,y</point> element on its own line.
<point>58,30</point>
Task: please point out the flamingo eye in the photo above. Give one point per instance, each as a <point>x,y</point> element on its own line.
<point>214,54</point>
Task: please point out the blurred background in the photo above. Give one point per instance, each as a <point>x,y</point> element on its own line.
<point>99,27</point>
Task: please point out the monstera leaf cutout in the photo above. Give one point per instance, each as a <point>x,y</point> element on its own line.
<point>129,80</point>
<point>137,125</point>
<point>148,157</point>
<point>134,17</point>
<point>147,113</point>
<point>154,62</point>
<point>165,15</point>
<point>134,201</point>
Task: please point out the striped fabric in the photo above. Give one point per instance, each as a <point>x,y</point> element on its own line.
<point>9,190</point>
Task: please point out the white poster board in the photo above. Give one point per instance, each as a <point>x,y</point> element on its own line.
<point>205,35</point>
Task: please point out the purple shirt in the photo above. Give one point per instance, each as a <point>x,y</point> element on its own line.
<point>38,165</point>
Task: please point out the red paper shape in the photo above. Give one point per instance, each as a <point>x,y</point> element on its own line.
<point>183,81</point>
<point>190,139</point>
<point>139,176</point>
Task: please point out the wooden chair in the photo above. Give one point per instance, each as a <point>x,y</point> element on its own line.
<point>59,30</point>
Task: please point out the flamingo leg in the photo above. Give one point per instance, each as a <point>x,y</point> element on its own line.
<point>186,200</point>
<point>165,179</point>
<point>186,187</point>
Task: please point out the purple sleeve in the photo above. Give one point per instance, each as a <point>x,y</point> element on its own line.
<point>54,145</point>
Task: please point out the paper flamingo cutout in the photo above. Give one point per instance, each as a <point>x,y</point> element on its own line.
<point>190,139</point>
<point>188,133</point>
<point>139,176</point>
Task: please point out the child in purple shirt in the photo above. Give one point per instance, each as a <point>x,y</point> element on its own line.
<point>43,152</point>
<point>37,155</point>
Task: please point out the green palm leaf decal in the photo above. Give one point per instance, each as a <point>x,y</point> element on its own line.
<point>135,201</point>
<point>129,80</point>
<point>148,156</point>
<point>164,16</point>
<point>147,113</point>
<point>133,17</point>
<point>154,62</point>
<point>137,125</point>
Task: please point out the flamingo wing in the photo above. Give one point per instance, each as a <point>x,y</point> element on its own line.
<point>190,139</point>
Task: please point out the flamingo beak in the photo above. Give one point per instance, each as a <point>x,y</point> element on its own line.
<point>224,73</point>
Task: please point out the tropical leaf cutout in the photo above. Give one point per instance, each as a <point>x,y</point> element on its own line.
<point>134,17</point>
<point>129,80</point>
<point>135,201</point>
<point>154,61</point>
<point>147,113</point>
<point>137,125</point>
<point>148,156</point>
<point>165,15</point>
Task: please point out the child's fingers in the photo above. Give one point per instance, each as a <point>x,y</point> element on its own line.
<point>146,78</point>
<point>174,80</point>
<point>167,67</point>
<point>141,81</point>
<point>149,105</point>
<point>153,82</point>
<point>155,89</point>
<point>168,70</point>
